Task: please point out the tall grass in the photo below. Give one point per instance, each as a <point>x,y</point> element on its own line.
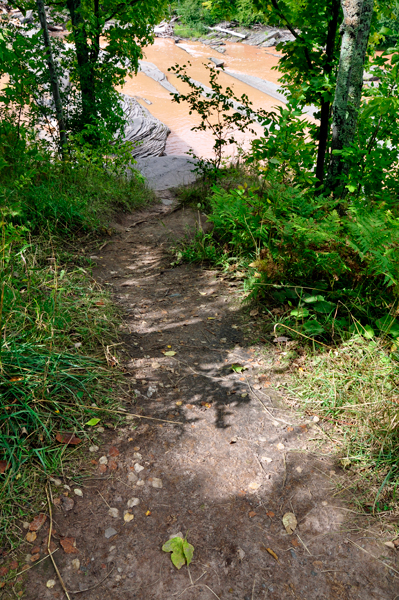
<point>354,389</point>
<point>57,323</point>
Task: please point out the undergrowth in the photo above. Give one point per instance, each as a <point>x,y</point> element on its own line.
<point>58,325</point>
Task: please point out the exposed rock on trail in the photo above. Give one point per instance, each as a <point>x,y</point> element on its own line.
<point>221,459</point>
<point>147,133</point>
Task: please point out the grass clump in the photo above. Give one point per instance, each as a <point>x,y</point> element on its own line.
<point>354,389</point>
<point>58,325</point>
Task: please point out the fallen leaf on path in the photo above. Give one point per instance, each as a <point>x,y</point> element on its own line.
<point>127,517</point>
<point>113,451</point>
<point>50,584</point>
<point>113,512</point>
<point>390,545</point>
<point>254,312</point>
<point>30,536</point>
<point>272,553</point>
<point>240,553</point>
<point>270,514</point>
<point>295,542</point>
<point>252,514</point>
<point>67,438</point>
<point>93,422</point>
<point>182,551</point>
<point>69,545</point>
<point>179,403</point>
<point>3,466</point>
<point>238,368</point>
<point>155,365</point>
<point>78,492</point>
<point>169,353</point>
<point>148,513</point>
<point>38,522</point>
<point>280,446</point>
<point>290,522</point>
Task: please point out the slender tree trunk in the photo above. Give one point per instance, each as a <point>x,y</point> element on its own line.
<point>55,88</point>
<point>356,30</point>
<point>325,105</point>
<point>85,64</point>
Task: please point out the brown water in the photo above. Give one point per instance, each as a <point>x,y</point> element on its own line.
<point>165,53</point>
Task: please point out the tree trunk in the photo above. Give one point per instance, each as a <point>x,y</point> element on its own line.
<point>55,88</point>
<point>325,105</point>
<point>356,30</point>
<point>85,64</point>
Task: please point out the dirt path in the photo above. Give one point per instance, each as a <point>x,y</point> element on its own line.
<point>226,466</point>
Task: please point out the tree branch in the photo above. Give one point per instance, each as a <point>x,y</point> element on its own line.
<point>122,5</point>
<point>294,33</point>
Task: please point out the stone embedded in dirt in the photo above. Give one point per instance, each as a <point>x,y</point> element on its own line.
<point>156,483</point>
<point>138,468</point>
<point>103,460</point>
<point>78,492</point>
<point>37,522</point>
<point>67,503</point>
<point>113,512</point>
<point>94,448</point>
<point>113,451</point>
<point>280,446</point>
<point>110,532</point>
<point>151,390</point>
<point>25,525</point>
<point>57,482</point>
<point>140,482</point>
<point>76,564</point>
<point>299,469</point>
<point>100,429</point>
<point>254,485</point>
<point>132,478</point>
<point>137,456</point>
<point>133,502</point>
<point>50,583</point>
<point>266,459</point>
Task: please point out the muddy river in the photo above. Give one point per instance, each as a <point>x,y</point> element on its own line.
<point>239,58</point>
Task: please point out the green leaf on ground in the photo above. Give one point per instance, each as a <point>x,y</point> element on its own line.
<point>93,422</point>
<point>238,368</point>
<point>182,551</point>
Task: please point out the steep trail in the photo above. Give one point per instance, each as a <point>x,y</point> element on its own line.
<point>226,459</point>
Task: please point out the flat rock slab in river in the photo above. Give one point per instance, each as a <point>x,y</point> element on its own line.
<point>165,172</point>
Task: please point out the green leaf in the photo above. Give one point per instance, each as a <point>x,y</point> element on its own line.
<point>388,325</point>
<point>351,188</point>
<point>368,332</point>
<point>182,551</point>
<point>313,328</point>
<point>300,312</point>
<point>324,307</point>
<point>93,422</point>
<point>188,550</point>
<point>311,299</point>
<point>238,368</point>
